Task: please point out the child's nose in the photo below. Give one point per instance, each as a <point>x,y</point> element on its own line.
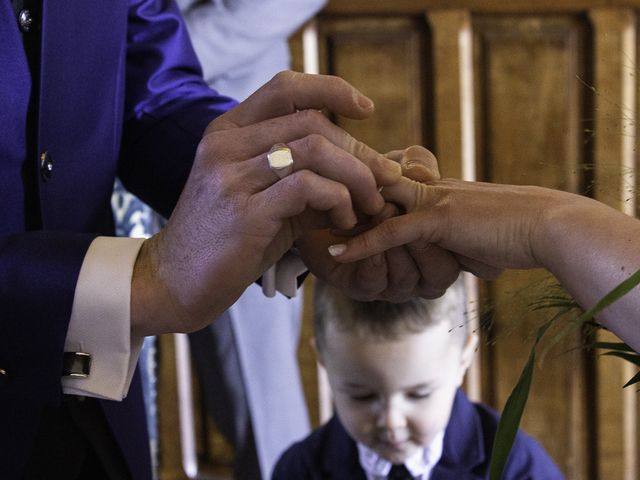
<point>392,417</point>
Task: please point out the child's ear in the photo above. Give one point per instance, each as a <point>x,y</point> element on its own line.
<point>467,354</point>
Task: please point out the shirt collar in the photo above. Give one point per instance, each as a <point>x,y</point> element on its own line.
<point>419,465</point>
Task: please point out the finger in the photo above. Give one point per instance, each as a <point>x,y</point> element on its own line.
<point>304,190</point>
<point>388,211</point>
<point>352,232</point>
<point>419,164</point>
<point>438,268</point>
<point>371,274</point>
<point>437,272</point>
<point>364,279</point>
<point>289,92</point>
<point>366,222</point>
<point>391,233</point>
<point>405,192</point>
<point>403,275</point>
<point>395,155</point>
<point>255,140</point>
<point>317,154</point>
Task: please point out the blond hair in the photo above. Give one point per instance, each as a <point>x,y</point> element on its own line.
<point>386,320</point>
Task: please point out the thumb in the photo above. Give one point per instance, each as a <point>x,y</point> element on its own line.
<point>289,92</point>
<point>419,164</point>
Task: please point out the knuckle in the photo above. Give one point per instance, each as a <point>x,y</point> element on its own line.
<point>300,181</point>
<point>357,148</point>
<point>283,79</point>
<point>365,155</point>
<point>205,146</point>
<point>281,84</point>
<point>315,143</point>
<point>213,145</point>
<point>296,181</point>
<point>338,81</point>
<point>222,181</point>
<point>342,196</point>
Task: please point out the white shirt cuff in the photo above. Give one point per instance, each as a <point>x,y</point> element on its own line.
<point>101,319</point>
<point>283,276</point>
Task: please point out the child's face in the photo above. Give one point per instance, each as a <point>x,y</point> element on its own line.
<point>395,396</point>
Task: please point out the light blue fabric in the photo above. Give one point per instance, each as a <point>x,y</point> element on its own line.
<point>241,45</point>
<point>134,218</point>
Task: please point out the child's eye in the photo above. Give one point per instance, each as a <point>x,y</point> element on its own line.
<point>366,397</point>
<point>419,395</point>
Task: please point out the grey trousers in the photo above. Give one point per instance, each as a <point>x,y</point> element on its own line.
<point>247,366</point>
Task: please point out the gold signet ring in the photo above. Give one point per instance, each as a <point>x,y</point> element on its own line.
<point>280,160</point>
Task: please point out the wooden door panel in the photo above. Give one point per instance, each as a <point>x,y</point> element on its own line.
<point>385,59</point>
<point>529,108</point>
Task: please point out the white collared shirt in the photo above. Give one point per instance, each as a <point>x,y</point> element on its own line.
<point>419,465</point>
<point>100,321</point>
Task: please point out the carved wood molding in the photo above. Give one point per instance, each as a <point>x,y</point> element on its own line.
<point>484,6</point>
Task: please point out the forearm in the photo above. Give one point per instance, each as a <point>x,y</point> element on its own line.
<point>591,248</point>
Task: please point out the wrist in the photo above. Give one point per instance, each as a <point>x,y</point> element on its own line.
<point>154,310</point>
<point>562,223</point>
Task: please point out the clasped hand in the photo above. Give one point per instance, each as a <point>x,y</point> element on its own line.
<point>235,218</point>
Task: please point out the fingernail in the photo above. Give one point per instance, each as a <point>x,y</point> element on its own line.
<point>354,220</point>
<point>365,103</point>
<point>338,249</point>
<point>409,164</point>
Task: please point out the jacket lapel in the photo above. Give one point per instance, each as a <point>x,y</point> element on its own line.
<point>464,451</point>
<point>339,455</point>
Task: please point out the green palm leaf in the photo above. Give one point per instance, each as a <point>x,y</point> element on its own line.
<point>514,407</point>
<point>630,357</point>
<point>512,413</point>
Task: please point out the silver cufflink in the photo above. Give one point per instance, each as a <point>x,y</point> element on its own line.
<point>76,364</point>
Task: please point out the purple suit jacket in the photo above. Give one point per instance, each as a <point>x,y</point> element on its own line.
<point>330,454</point>
<point>119,93</point>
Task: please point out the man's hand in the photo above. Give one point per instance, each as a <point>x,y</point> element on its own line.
<point>235,217</point>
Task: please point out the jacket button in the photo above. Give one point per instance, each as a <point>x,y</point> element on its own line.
<point>46,165</point>
<point>25,20</point>
<point>4,377</point>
